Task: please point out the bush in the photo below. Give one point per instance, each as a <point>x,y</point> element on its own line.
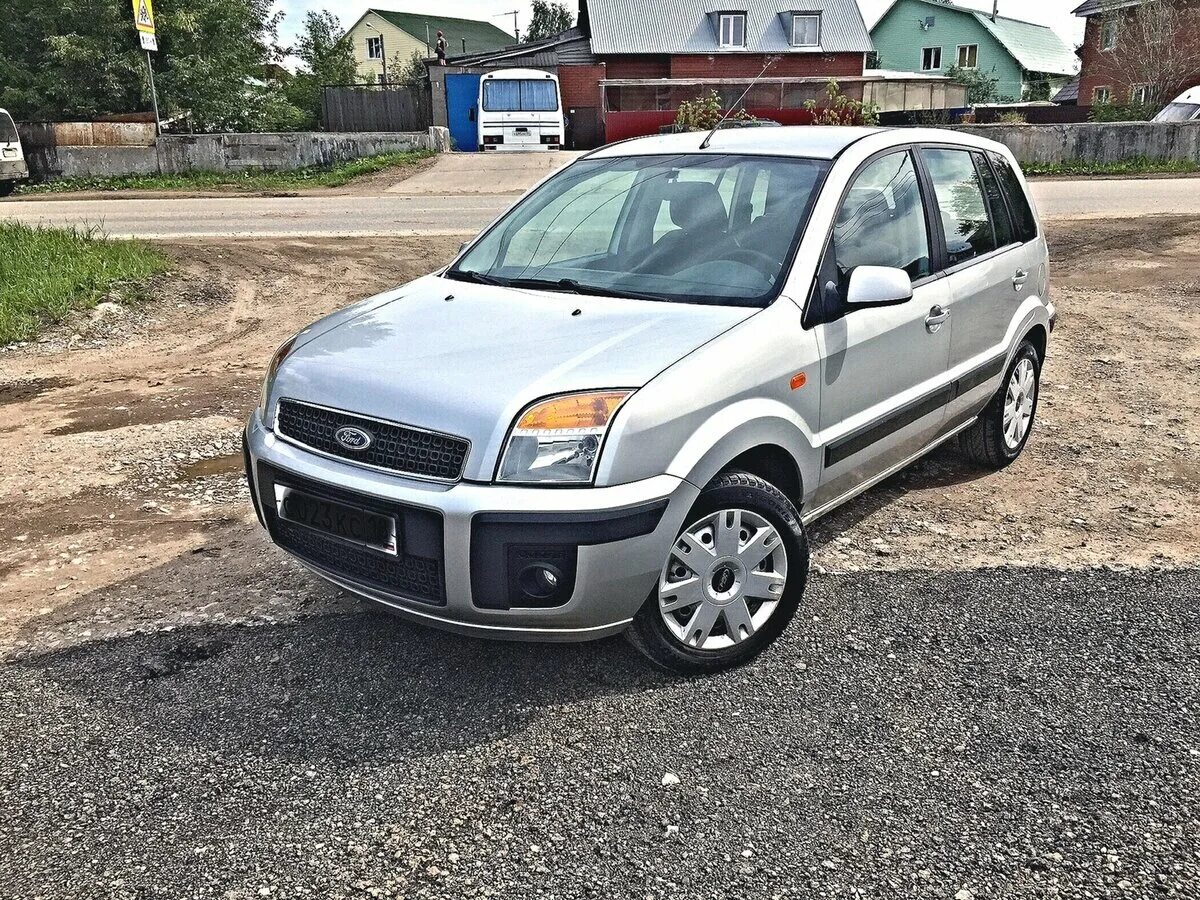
<point>981,87</point>
<point>839,109</point>
<point>704,113</point>
<point>1122,112</point>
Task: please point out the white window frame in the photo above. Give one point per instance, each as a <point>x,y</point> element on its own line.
<point>1143,89</point>
<point>796,18</point>
<point>731,18</point>
<point>958,55</point>
<point>1105,34</point>
<point>937,59</point>
<point>374,43</point>
<point>1107,98</point>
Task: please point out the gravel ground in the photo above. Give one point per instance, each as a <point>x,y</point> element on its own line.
<point>964,735</point>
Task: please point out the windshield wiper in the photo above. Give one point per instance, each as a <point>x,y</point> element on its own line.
<point>575,287</point>
<point>476,277</point>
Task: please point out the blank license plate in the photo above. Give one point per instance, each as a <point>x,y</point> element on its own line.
<point>350,523</point>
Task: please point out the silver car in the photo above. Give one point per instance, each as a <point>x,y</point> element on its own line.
<point>618,407</point>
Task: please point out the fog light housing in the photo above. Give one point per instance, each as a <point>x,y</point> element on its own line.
<point>540,582</point>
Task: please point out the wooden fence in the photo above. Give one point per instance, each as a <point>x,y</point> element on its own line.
<point>374,108</point>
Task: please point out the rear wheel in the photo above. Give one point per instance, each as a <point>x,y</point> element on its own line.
<point>1000,433</point>
<point>731,582</point>
<point>7,187</point>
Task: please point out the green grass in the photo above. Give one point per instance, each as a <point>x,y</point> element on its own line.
<point>46,273</point>
<point>1140,165</point>
<point>251,180</point>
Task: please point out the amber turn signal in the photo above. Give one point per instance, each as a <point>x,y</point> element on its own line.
<point>799,380</point>
<point>573,411</point>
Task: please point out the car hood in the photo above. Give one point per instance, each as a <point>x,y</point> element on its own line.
<point>465,359</point>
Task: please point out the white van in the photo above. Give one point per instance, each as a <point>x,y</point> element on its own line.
<point>1184,108</point>
<point>520,109</point>
<point>12,158</point>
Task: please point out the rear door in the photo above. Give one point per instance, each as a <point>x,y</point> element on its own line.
<point>884,388</point>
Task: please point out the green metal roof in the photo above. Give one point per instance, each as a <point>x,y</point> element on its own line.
<point>479,36</point>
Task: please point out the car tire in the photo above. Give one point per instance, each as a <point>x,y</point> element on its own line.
<point>991,442</point>
<point>745,623</point>
<point>7,187</point>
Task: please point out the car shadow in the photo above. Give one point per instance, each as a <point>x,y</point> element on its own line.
<point>942,468</point>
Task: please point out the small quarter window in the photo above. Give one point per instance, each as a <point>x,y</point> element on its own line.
<point>806,30</point>
<point>931,58</point>
<point>968,56</point>
<point>733,30</point>
<point>1024,223</point>
<point>374,48</point>
<point>995,202</point>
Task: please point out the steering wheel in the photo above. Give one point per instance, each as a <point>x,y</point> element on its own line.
<point>754,259</point>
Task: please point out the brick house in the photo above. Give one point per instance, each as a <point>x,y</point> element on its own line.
<point>1138,51</point>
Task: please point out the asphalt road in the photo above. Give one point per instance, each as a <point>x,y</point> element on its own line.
<point>396,214</point>
<point>974,735</point>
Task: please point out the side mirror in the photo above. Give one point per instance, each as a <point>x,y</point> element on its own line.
<point>878,286</point>
<point>463,246</point>
<point>471,114</point>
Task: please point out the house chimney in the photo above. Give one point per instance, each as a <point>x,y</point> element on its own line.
<point>995,9</point>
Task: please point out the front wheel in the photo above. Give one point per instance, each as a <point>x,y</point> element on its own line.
<point>731,582</point>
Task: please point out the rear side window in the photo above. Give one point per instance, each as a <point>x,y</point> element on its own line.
<point>966,223</point>
<point>1024,223</point>
<point>8,131</point>
<point>995,200</point>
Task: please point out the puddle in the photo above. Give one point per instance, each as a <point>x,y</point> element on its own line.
<point>16,391</point>
<point>217,465</point>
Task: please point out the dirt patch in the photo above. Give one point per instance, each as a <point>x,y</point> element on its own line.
<point>122,503</point>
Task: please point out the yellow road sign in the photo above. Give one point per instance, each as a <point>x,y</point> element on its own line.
<point>143,15</point>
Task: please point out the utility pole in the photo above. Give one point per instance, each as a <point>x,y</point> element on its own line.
<point>153,95</point>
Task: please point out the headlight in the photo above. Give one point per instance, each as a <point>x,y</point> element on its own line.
<point>272,370</point>
<point>557,441</point>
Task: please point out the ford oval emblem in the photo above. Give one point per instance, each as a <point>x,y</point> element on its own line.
<point>351,438</point>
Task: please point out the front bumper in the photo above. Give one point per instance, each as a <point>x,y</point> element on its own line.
<point>618,537</point>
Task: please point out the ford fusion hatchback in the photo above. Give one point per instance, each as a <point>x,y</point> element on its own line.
<point>617,409</point>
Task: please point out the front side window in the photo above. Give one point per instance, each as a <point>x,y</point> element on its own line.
<point>695,228</point>
<point>733,30</point>
<point>522,95</point>
<point>882,220</point>
<point>966,225</point>
<point>1108,34</point>
<point>968,56</point>
<point>1024,223</point>
<point>806,30</point>
<point>374,48</point>
<point>931,58</point>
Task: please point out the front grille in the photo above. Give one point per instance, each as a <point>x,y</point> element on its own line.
<point>417,574</point>
<point>397,448</point>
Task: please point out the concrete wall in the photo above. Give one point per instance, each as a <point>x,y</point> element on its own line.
<point>1095,142</point>
<point>175,154</point>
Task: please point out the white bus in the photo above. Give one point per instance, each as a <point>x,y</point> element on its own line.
<point>520,109</point>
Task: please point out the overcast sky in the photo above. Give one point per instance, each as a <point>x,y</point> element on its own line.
<point>1055,13</point>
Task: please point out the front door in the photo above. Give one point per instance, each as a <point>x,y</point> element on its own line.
<point>884,384</point>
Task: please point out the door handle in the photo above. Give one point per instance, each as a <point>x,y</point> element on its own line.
<point>1018,279</point>
<point>937,316</point>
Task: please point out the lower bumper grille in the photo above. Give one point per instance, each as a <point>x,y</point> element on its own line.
<point>418,573</point>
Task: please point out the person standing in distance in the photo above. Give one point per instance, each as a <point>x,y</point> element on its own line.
<point>440,49</point>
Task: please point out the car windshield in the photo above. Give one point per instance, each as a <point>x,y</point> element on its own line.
<point>698,228</point>
<point>1178,112</point>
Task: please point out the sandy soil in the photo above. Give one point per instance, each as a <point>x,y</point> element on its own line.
<point>122,505</point>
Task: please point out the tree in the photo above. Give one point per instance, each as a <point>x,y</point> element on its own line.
<point>1157,47</point>
<point>981,86</point>
<point>411,72</point>
<point>327,57</point>
<point>704,113</point>
<point>81,59</point>
<point>549,18</point>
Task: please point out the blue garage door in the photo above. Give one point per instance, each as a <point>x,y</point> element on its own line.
<point>462,93</point>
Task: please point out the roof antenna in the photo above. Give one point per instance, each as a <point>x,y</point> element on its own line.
<point>770,62</point>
